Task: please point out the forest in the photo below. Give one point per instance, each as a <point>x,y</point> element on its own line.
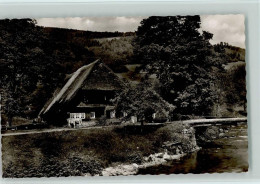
<point>197,78</point>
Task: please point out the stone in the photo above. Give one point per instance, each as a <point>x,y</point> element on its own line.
<point>185,131</point>
<point>160,155</point>
<point>178,151</point>
<point>126,167</point>
<point>221,135</point>
<point>150,159</point>
<point>135,166</point>
<point>88,174</point>
<point>166,157</point>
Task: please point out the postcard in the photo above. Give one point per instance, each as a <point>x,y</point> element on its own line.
<point>110,96</point>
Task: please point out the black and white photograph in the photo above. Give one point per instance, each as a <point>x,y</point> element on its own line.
<point>119,96</point>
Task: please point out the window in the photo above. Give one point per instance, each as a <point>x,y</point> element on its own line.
<point>133,119</point>
<point>92,115</point>
<point>124,114</point>
<point>112,114</point>
<point>72,115</point>
<point>78,115</point>
<point>154,115</point>
<point>83,116</point>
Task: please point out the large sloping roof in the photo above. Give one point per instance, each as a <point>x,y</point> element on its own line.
<point>94,76</point>
<point>102,78</point>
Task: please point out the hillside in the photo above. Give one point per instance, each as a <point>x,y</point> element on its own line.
<point>115,52</point>
<point>233,53</point>
<point>37,59</point>
<point>43,56</point>
<point>115,48</point>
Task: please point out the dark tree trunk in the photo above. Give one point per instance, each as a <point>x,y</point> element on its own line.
<point>245,105</point>
<point>142,125</point>
<point>10,121</point>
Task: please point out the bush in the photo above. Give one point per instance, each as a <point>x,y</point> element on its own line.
<point>180,117</point>
<point>207,135</point>
<point>171,132</point>
<point>102,121</point>
<point>54,167</point>
<point>87,165</point>
<point>50,145</point>
<point>135,157</point>
<point>211,132</point>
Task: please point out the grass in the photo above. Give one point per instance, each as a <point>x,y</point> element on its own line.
<point>75,153</point>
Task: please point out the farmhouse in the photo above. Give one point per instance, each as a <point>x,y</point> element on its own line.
<point>85,97</point>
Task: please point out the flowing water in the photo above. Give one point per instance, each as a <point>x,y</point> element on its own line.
<point>226,154</point>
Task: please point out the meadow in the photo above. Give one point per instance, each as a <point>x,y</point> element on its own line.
<point>81,152</point>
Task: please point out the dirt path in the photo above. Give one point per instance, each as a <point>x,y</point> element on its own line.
<point>47,130</point>
<point>190,122</point>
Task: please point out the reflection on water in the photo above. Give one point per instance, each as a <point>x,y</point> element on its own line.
<point>228,154</point>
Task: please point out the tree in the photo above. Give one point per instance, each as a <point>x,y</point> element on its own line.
<point>235,88</point>
<point>142,101</point>
<point>12,108</point>
<point>182,59</point>
<point>24,65</point>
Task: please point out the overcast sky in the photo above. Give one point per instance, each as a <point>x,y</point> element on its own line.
<point>226,28</point>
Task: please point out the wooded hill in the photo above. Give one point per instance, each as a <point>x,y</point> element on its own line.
<point>234,53</point>
<point>35,60</point>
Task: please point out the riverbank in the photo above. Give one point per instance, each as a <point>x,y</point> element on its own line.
<point>132,169</point>
<point>82,152</point>
<point>172,150</point>
<point>150,161</point>
<point>227,152</point>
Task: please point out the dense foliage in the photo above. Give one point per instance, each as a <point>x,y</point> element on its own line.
<point>233,54</point>
<point>231,90</point>
<point>34,60</point>
<point>142,101</point>
<point>115,52</point>
<point>26,66</point>
<point>182,58</point>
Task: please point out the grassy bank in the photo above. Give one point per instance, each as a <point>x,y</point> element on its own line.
<point>76,153</point>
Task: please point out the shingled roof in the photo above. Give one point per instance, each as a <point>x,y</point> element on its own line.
<point>94,76</point>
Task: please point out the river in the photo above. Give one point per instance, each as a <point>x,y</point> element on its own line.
<point>226,154</point>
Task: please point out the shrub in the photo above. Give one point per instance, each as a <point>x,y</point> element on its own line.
<point>102,121</point>
<point>170,132</point>
<point>49,145</point>
<point>85,165</point>
<point>211,132</point>
<point>54,167</point>
<point>135,157</point>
